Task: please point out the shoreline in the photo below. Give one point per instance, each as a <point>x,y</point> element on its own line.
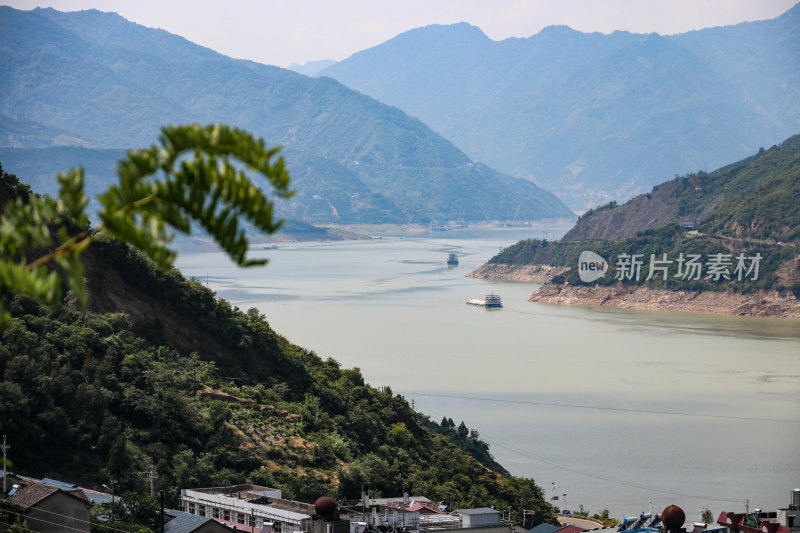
<point>531,273</point>
<point>769,304</point>
<point>759,304</point>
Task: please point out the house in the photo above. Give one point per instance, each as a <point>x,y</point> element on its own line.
<point>252,506</point>
<point>50,509</point>
<point>95,497</point>
<point>784,520</point>
<point>544,528</point>
<point>180,522</point>
<point>483,520</point>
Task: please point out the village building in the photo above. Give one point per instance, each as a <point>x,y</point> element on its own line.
<point>248,505</point>
<point>49,509</point>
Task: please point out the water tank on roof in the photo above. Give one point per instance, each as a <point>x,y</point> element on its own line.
<point>325,506</point>
<point>673,517</point>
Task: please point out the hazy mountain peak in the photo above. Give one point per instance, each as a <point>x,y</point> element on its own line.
<point>595,117</point>
<point>457,32</point>
<point>559,29</point>
<point>93,77</point>
<point>111,29</point>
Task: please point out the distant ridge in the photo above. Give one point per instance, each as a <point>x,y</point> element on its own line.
<point>310,68</point>
<point>593,117</point>
<point>756,197</point>
<point>94,79</point>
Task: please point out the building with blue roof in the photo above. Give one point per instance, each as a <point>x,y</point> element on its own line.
<point>181,522</point>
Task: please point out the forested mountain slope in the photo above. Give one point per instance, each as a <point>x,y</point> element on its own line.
<point>94,79</point>
<point>158,372</point>
<point>753,198</point>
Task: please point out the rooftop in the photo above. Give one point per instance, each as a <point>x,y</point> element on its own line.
<point>479,511</point>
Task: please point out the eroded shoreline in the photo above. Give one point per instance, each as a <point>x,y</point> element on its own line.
<point>757,304</point>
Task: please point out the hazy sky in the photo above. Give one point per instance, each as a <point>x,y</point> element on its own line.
<point>283,32</point>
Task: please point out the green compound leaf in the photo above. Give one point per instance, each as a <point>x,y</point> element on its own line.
<point>198,174</point>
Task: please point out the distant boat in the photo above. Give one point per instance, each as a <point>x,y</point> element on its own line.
<point>492,301</point>
<point>271,247</point>
<point>452,259</point>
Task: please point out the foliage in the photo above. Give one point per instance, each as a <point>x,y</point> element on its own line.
<point>11,513</point>
<point>20,527</point>
<point>753,198</point>
<point>605,518</point>
<point>670,239</point>
<point>118,395</point>
<point>468,440</point>
<point>610,205</point>
<point>191,177</point>
<point>116,404</point>
<point>132,512</point>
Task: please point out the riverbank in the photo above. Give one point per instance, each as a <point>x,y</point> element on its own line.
<point>759,304</point>
<point>531,273</point>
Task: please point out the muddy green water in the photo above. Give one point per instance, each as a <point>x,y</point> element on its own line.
<point>614,408</point>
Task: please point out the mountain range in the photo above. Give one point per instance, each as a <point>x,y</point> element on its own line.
<point>95,80</point>
<point>593,117</point>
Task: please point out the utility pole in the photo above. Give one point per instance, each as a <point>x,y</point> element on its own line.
<point>5,448</point>
<point>405,500</point>
<point>152,476</point>
<point>525,514</point>
<point>111,488</point>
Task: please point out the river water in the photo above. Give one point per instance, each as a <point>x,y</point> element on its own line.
<point>615,409</point>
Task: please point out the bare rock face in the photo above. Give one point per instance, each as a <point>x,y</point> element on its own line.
<point>642,212</point>
<point>532,273</point>
<point>762,303</point>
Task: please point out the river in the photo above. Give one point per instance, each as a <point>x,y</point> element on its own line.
<point>616,409</point>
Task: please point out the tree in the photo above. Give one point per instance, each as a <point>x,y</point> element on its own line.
<point>706,515</point>
<point>196,176</point>
<point>132,511</point>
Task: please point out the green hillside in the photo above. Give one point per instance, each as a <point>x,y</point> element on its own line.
<point>94,78</point>
<point>776,269</point>
<point>755,198</point>
<point>159,372</point>
<point>749,207</point>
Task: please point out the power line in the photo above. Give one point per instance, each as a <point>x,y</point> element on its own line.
<point>604,478</point>
<point>599,477</point>
<point>600,408</point>
<point>76,519</point>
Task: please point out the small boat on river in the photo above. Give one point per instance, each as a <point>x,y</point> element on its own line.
<point>492,301</point>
